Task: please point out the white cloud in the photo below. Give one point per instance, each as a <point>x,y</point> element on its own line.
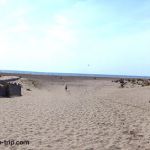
<point>60,30</point>
<point>3,2</point>
<point>60,33</point>
<point>20,12</point>
<point>60,19</point>
<point>20,26</point>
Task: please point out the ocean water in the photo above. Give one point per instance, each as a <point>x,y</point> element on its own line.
<point>72,74</point>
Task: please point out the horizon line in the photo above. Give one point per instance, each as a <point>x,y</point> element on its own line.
<point>71,74</point>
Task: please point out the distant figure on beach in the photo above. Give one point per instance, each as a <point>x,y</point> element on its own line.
<point>66,87</point>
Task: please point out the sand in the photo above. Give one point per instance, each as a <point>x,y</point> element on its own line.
<point>90,115</point>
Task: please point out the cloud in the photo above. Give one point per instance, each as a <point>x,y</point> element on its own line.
<point>3,2</point>
<point>60,30</point>
<point>60,33</point>
<point>20,26</point>
<point>23,11</point>
<point>62,20</point>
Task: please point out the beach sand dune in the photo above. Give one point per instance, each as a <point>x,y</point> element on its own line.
<point>89,115</point>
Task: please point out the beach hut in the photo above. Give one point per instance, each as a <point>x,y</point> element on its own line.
<point>10,89</point>
<point>13,89</point>
<point>2,90</point>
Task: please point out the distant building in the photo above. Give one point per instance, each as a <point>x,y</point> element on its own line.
<point>10,89</point>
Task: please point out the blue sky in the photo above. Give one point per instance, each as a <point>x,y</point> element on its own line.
<point>76,36</point>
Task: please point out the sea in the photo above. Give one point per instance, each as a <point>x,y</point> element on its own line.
<point>72,74</point>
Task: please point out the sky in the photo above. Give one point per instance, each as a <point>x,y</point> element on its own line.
<point>76,36</point>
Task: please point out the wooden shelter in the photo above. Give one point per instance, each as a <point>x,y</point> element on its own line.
<point>10,89</point>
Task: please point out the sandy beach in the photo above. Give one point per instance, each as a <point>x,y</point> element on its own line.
<point>92,114</point>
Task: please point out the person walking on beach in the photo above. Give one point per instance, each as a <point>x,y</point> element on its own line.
<point>66,87</point>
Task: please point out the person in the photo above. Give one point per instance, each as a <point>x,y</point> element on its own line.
<point>66,87</point>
